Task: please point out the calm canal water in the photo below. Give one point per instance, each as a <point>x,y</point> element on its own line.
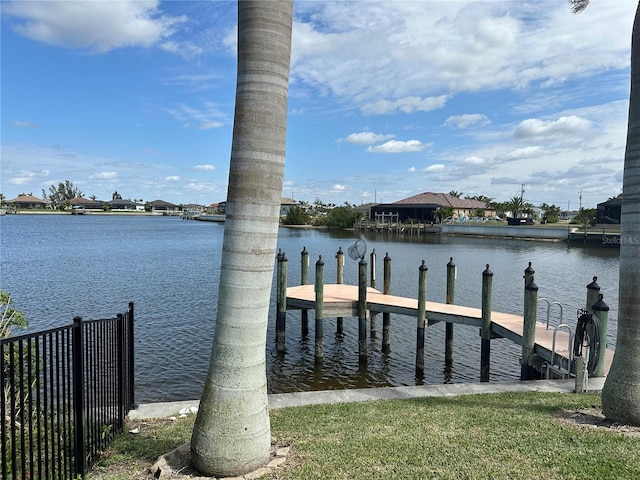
<point>60,266</point>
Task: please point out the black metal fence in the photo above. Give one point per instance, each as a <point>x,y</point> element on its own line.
<point>66,393</point>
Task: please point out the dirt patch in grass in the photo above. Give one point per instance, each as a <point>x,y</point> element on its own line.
<point>593,418</point>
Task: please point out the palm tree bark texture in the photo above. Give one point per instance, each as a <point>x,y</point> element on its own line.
<point>621,391</point>
<point>232,435</point>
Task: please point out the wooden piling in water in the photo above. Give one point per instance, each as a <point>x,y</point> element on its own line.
<point>593,292</point>
<point>319,289</point>
<point>529,329</point>
<point>339,281</point>
<point>601,310</point>
<point>422,305</point>
<point>281,315</point>
<point>485,332</point>
<point>372,283</point>
<point>362,310</point>
<point>448,333</point>
<point>304,274</point>
<point>386,316</point>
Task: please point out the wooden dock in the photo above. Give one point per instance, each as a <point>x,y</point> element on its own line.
<point>341,300</point>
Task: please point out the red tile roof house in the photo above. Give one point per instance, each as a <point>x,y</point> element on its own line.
<point>27,201</point>
<point>422,207</point>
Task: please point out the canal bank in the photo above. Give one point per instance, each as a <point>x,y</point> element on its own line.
<point>519,232</point>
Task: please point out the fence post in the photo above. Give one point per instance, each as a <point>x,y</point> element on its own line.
<point>340,281</point>
<point>319,287</point>
<point>281,315</point>
<point>362,310</point>
<point>131,373</point>
<point>601,310</point>
<point>529,330</point>
<point>372,283</point>
<point>304,274</point>
<point>448,335</point>
<point>122,380</point>
<point>422,307</point>
<point>386,316</point>
<point>485,332</point>
<point>77,347</point>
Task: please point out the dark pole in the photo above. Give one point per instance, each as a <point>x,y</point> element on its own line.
<point>485,347</point>
<point>448,337</point>
<point>372,283</point>
<point>340,281</point>
<point>304,274</point>
<point>593,291</point>
<point>601,310</point>
<point>132,390</point>
<point>529,330</point>
<point>281,319</point>
<point>78,395</point>
<point>362,310</point>
<point>319,309</point>
<point>386,316</point>
<point>422,309</point>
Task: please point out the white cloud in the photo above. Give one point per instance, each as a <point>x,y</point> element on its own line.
<point>525,152</point>
<point>405,105</point>
<point>338,187</point>
<point>25,176</point>
<point>172,178</point>
<point>411,169</point>
<point>467,120</point>
<point>185,49</point>
<point>397,146</point>
<point>436,167</point>
<point>474,161</point>
<point>208,117</point>
<point>366,138</point>
<point>98,26</point>
<point>24,124</point>
<point>205,167</point>
<point>104,176</point>
<point>535,128</point>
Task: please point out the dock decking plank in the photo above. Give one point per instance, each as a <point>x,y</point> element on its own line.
<point>342,300</point>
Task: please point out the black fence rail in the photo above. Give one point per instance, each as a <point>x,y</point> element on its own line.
<point>66,393</point>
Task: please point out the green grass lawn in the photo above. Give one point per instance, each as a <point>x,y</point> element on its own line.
<point>497,436</point>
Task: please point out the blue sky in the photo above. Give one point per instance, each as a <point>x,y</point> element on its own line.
<point>386,99</point>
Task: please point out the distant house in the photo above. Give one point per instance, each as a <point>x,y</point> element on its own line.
<point>365,209</point>
<point>86,204</point>
<point>217,208</point>
<point>160,206</point>
<point>609,211</point>
<point>27,201</point>
<point>286,204</point>
<point>422,207</point>
<point>120,205</point>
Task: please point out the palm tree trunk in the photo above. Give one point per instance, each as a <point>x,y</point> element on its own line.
<point>232,434</point>
<point>621,392</point>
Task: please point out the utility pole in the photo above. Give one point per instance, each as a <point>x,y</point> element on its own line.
<point>580,193</point>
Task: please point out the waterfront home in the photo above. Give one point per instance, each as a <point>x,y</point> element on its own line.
<point>165,208</point>
<point>86,204</point>
<point>27,202</point>
<point>120,205</point>
<point>422,207</point>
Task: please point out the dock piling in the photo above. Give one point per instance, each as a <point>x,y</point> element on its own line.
<point>601,310</point>
<point>386,316</point>
<point>448,335</point>
<point>529,329</point>
<point>422,306</point>
<point>281,318</point>
<point>485,332</point>
<point>319,289</point>
<point>593,292</point>
<point>339,281</point>
<point>372,283</point>
<point>304,274</point>
<point>362,310</point>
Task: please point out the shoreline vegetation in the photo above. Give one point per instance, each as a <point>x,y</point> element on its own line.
<point>523,435</point>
